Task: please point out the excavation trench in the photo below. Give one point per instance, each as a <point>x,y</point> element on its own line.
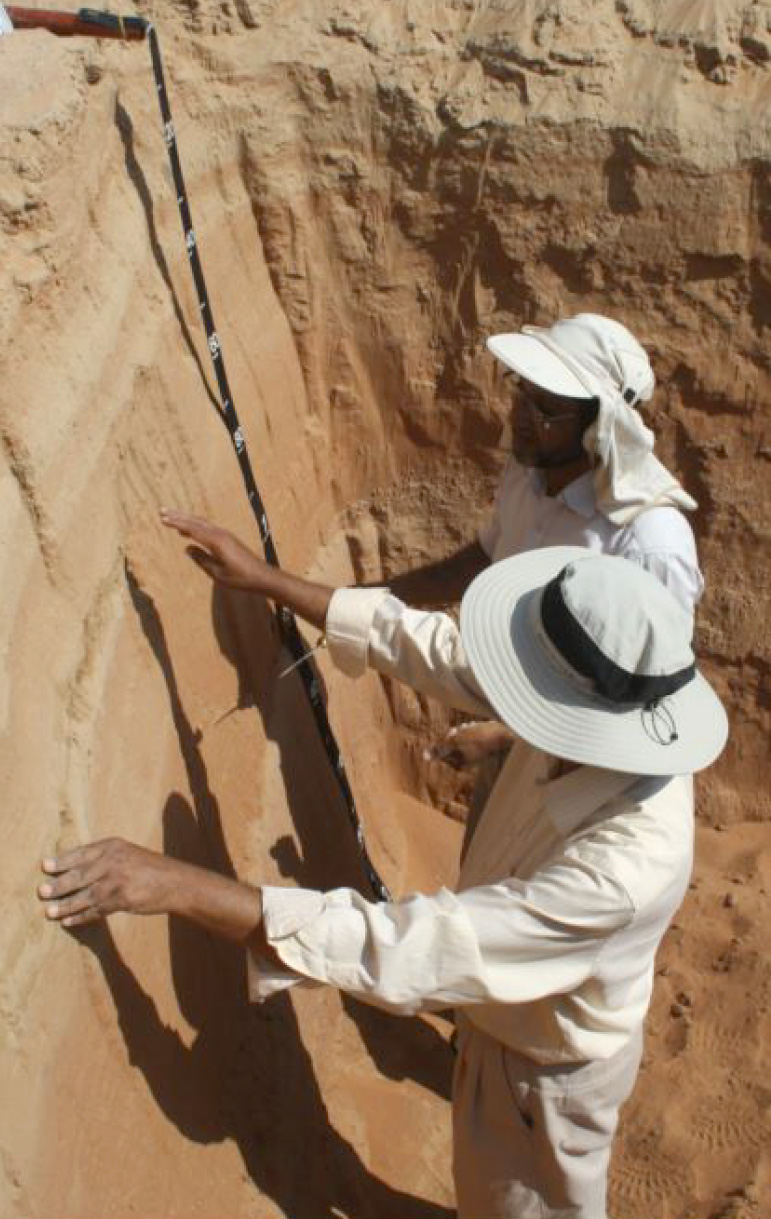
<point>371,196</point>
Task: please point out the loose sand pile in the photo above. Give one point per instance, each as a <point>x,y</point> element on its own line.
<point>375,187</point>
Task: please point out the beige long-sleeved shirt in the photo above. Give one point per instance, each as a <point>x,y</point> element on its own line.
<point>562,900</point>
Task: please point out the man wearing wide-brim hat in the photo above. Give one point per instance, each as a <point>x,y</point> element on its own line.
<point>581,857</point>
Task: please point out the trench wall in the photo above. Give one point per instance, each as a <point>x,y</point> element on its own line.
<point>375,188</point>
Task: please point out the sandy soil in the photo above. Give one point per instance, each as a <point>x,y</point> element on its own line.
<point>375,187</point>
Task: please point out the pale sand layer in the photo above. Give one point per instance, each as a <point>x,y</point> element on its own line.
<point>375,187</point>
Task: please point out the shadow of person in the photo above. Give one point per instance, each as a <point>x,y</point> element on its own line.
<point>206,813</point>
<point>404,1047</point>
<point>322,854</point>
<point>325,854</point>
<point>246,1075</point>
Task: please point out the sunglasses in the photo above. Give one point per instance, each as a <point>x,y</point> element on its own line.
<point>544,418</point>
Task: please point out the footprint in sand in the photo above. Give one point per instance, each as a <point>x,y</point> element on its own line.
<point>718,1130</point>
<point>723,1045</point>
<point>640,1185</point>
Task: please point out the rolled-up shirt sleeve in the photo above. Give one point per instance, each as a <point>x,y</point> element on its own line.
<point>423,649</point>
<point>511,942</point>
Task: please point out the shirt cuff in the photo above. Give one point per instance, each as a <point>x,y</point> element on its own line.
<point>349,621</point>
<point>287,911</point>
<point>284,913</point>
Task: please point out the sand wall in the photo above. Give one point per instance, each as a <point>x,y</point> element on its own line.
<point>375,188</point>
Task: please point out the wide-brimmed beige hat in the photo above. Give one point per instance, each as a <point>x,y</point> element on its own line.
<point>589,658</point>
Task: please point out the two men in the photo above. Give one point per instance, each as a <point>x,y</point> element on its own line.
<point>583,851</point>
<point>547,947</point>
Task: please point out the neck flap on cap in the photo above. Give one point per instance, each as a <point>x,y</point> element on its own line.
<point>628,477</point>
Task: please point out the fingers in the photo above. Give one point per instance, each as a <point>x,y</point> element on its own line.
<point>455,759</point>
<point>77,920</point>
<point>446,750</point>
<point>78,857</point>
<point>79,906</point>
<point>215,568</point>
<point>194,527</point>
<point>459,747</point>
<point>217,551</point>
<point>442,749</point>
<point>67,882</point>
<point>442,752</point>
<point>70,895</point>
<point>211,544</point>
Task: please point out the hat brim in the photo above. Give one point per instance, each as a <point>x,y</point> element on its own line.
<point>536,363</point>
<point>540,702</point>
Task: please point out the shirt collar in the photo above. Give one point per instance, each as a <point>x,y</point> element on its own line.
<point>579,495</point>
<point>570,799</point>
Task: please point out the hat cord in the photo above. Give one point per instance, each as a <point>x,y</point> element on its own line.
<point>662,726</point>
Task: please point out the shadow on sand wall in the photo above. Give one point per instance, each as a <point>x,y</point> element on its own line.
<point>247,1075</point>
<point>401,1047</point>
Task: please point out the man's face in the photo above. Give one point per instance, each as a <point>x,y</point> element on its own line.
<point>546,429</point>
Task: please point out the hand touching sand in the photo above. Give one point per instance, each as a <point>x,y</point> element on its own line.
<point>219,552</point>
<point>102,878</point>
<point>225,559</point>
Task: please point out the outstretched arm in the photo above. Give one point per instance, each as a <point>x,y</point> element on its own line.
<point>509,942</point>
<point>363,626</point>
<point>513,941</point>
<point>229,562</point>
<point>112,875</point>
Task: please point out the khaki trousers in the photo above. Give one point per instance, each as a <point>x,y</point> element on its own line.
<point>531,1141</point>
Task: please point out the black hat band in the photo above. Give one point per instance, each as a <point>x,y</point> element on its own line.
<point>582,654</point>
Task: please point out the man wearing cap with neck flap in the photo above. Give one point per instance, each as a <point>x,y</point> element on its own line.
<point>582,473</point>
<point>581,381</point>
<point>546,947</point>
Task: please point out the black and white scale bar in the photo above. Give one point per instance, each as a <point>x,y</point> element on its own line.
<point>290,633</point>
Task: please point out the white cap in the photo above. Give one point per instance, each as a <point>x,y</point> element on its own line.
<point>577,357</point>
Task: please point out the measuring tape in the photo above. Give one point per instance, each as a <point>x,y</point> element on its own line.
<point>290,633</point>
<point>107,25</point>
